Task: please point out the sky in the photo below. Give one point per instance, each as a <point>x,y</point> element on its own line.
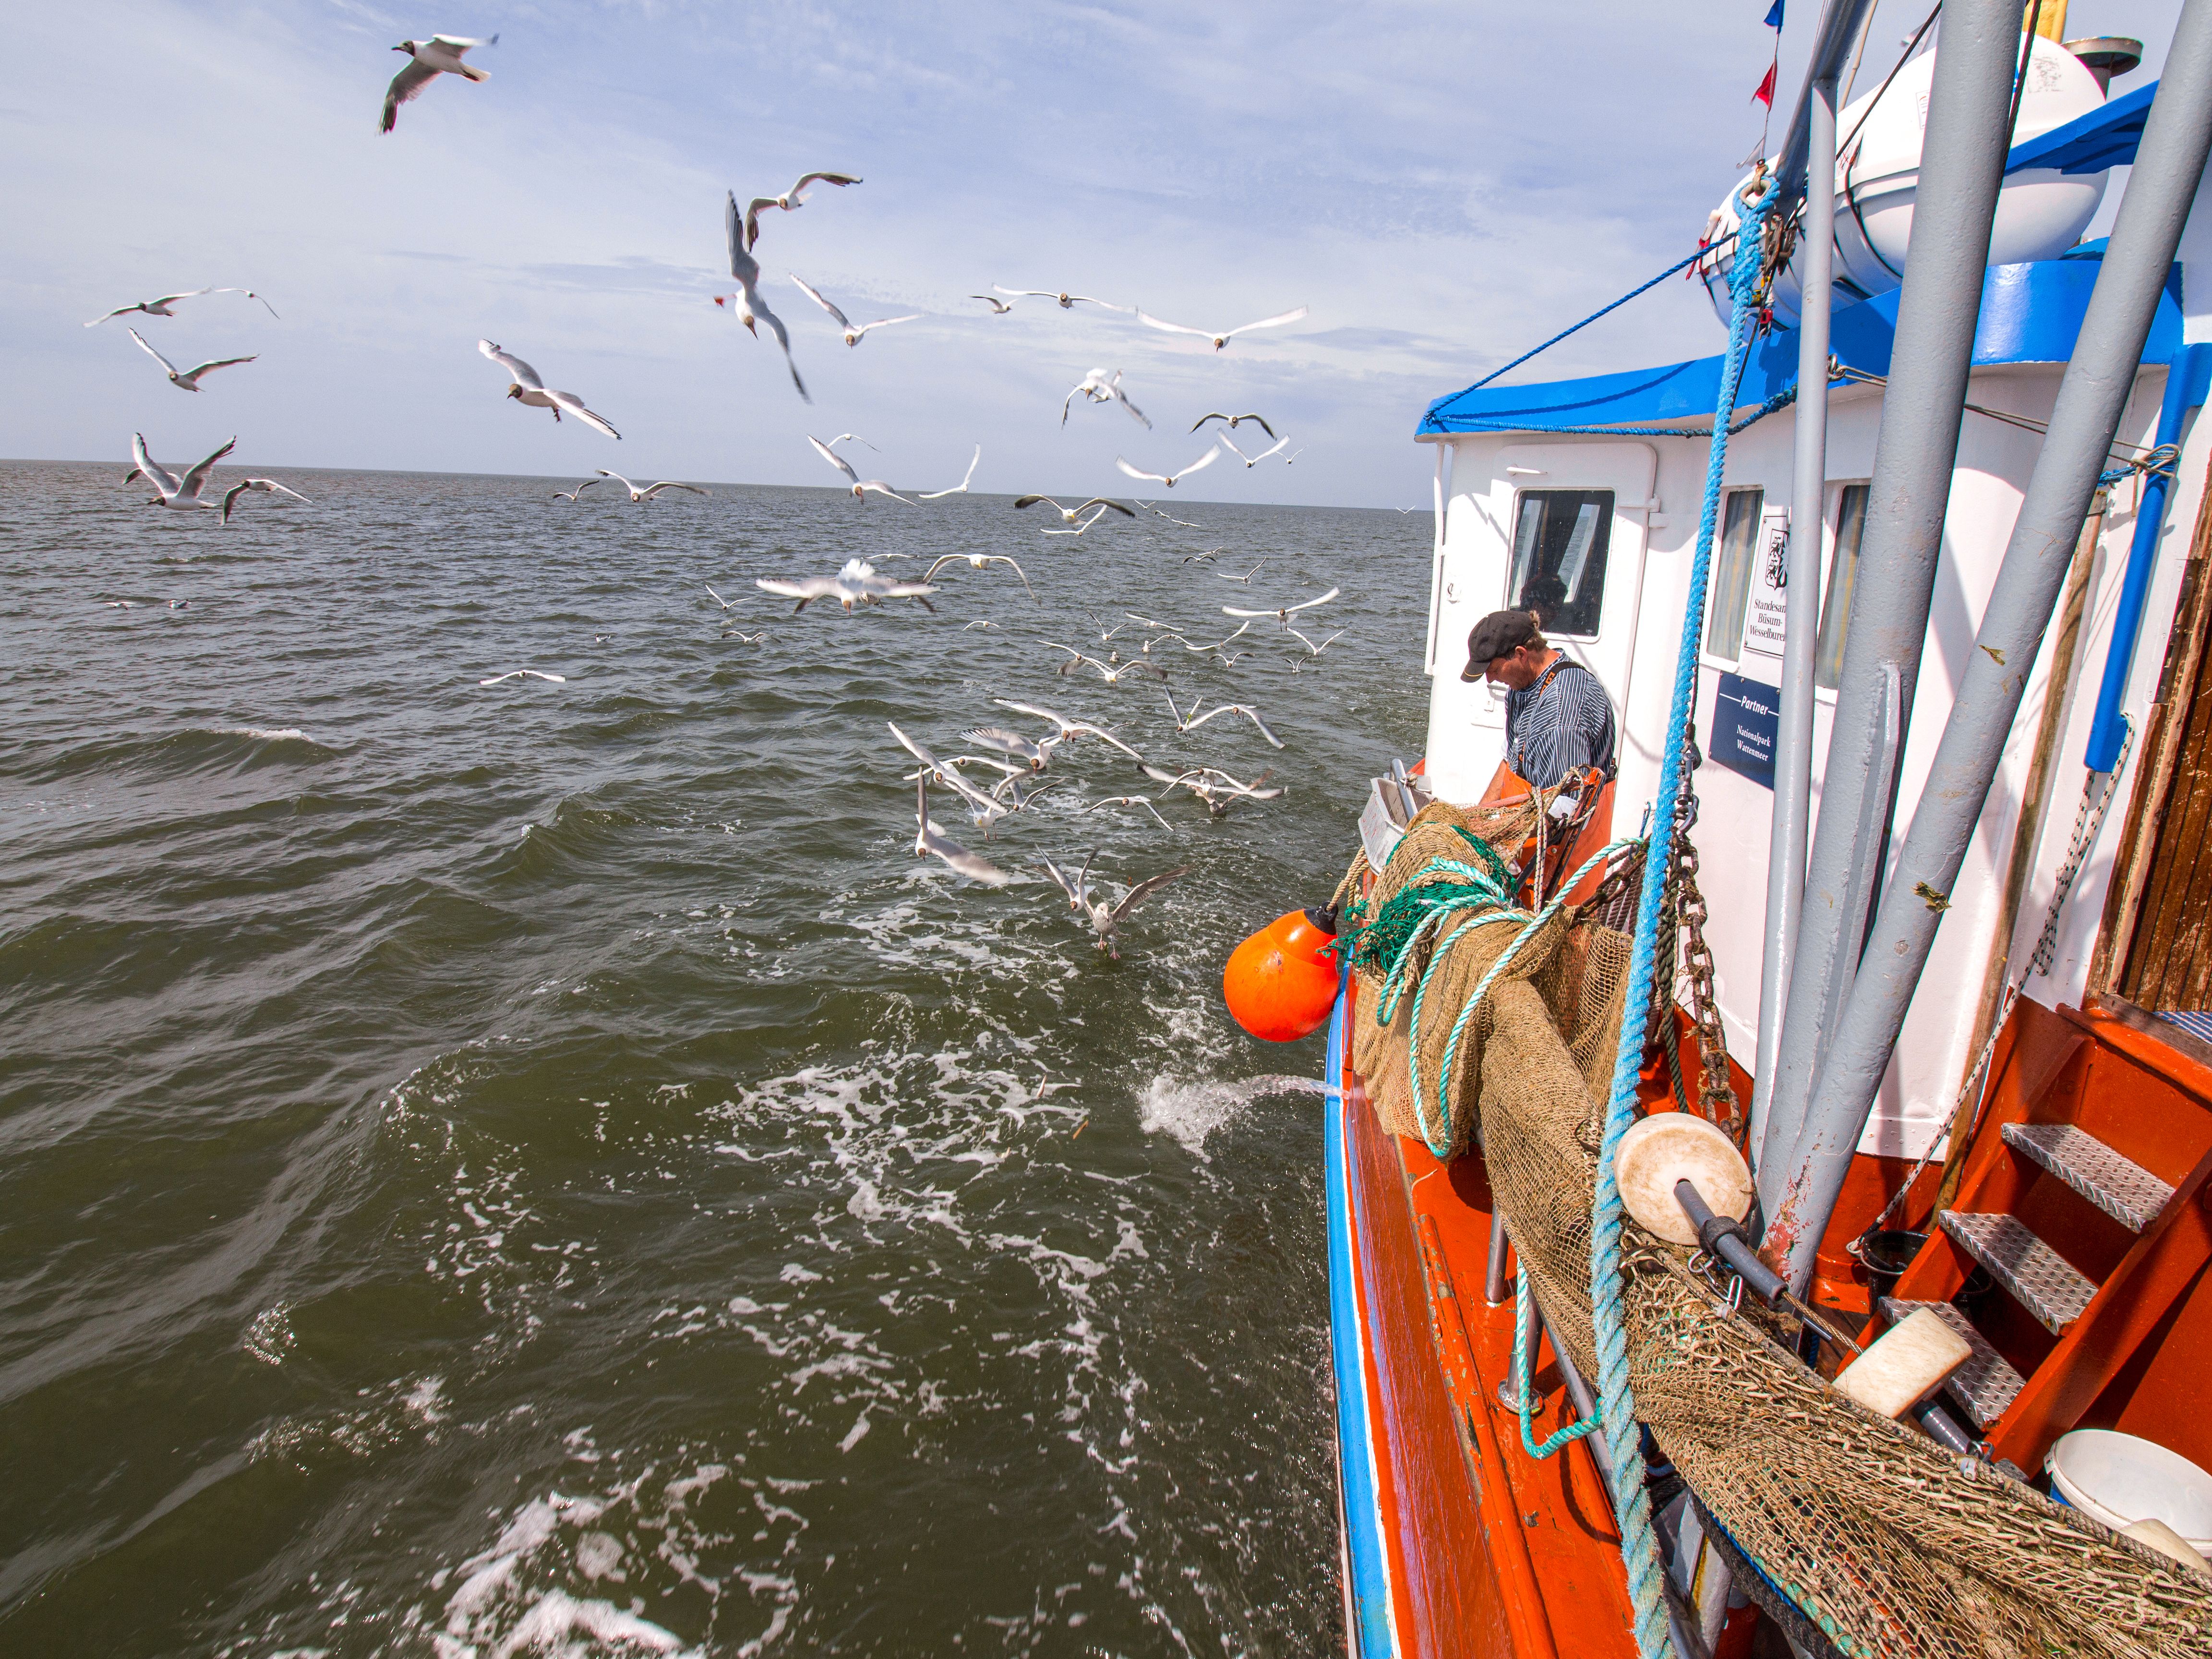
<point>1441,184</point>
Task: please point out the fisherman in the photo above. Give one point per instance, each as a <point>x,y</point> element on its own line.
<point>1558,721</point>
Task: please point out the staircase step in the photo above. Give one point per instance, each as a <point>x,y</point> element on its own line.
<point>1986,1384</point>
<point>2121,1187</point>
<point>2039,1279</point>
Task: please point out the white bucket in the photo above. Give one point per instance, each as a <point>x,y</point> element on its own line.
<point>2120,1479</point>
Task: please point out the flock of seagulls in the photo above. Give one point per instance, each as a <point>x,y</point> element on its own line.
<point>1002,770</point>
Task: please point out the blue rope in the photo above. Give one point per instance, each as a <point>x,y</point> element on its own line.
<point>1521,1346</point>
<point>1639,1546</point>
<point>1641,288</point>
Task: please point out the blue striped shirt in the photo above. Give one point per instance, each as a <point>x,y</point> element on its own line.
<point>1559,726</point>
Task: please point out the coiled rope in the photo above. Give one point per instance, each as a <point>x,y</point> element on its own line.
<point>1639,1546</point>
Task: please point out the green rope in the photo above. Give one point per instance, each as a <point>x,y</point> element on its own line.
<point>1523,1349</point>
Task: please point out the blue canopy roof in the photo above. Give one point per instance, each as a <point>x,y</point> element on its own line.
<point>2105,137</point>
<point>2031,313</point>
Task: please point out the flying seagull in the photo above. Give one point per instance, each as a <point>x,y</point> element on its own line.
<point>1226,335</point>
<point>1113,670</point>
<point>957,857</point>
<point>1251,461</point>
<point>1104,918</point>
<point>1098,388</point>
<point>161,308</point>
<point>1069,515</point>
<point>1233,420</point>
<point>1313,649</point>
<point>1216,788</point>
<point>190,378</point>
<point>856,583</point>
<point>441,54</point>
<point>1086,525</point>
<point>1169,479</point>
<point>576,495</point>
<point>1133,800</point>
<point>1069,730</point>
<point>790,201</point>
<point>1189,720</point>
<point>267,485</point>
<point>1065,301</point>
<point>853,333</point>
<point>1246,577</point>
<point>534,394</point>
<point>851,438</point>
<point>1284,615</point>
<point>999,307</point>
<point>976,562</point>
<point>745,271</point>
<point>532,673</point>
<point>1217,644</point>
<point>987,810</point>
<point>960,488</point>
<point>860,486</point>
<point>181,494</point>
<point>649,491</point>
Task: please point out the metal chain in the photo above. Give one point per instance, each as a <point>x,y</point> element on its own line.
<point>2087,820</point>
<point>1716,1098</point>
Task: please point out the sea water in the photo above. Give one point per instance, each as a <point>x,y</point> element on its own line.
<point>543,1168</point>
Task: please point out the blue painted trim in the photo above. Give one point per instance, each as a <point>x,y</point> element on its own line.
<point>1355,1444</point>
<point>2030,313</point>
<point>2187,377</point>
<point>2105,137</point>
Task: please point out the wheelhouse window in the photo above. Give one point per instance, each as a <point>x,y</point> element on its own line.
<point>1843,572</point>
<point>1731,586</point>
<point>1560,538</point>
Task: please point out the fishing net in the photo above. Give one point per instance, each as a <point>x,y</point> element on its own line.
<point>1890,1545</point>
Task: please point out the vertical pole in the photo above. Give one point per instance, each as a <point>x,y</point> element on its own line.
<point>1961,169</point>
<point>1793,744</point>
<point>2100,377</point>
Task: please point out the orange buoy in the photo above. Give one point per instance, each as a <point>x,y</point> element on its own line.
<point>1280,983</point>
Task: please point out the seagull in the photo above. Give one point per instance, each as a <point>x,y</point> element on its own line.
<point>1284,615</point>
<point>1170,517</point>
<point>1211,456</point>
<point>958,858</point>
<point>1102,917</point>
<point>1011,743</point>
<point>977,561</point>
<point>181,494</point>
<point>790,201</point>
<point>987,810</point>
<point>1315,649</point>
<point>161,308</point>
<point>534,394</point>
<point>984,623</point>
<point>267,485</point>
<point>1193,719</point>
<point>1226,335</point>
<point>441,54</point>
<point>1216,788</point>
<point>1292,457</point>
<point>188,378</point>
<point>1069,730</point>
<point>851,438</point>
<point>1217,644</point>
<point>1251,461</point>
<point>999,307</point>
<point>960,488</point>
<point>860,486</point>
<point>746,639</point>
<point>853,334</point>
<point>1133,800</point>
<point>856,583</point>
<point>1247,576</point>
<point>1098,388</point>
<point>1064,300</point>
<point>745,271</point>
<point>726,605</point>
<point>1235,420</point>
<point>518,673</point>
<point>576,495</point>
<point>1206,558</point>
<point>1068,514</point>
<point>649,491</point>
<point>1079,528</point>
<point>1111,670</point>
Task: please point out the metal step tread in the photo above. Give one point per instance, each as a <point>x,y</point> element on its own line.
<point>2037,1277</point>
<point>2118,1186</point>
<point>1986,1384</point>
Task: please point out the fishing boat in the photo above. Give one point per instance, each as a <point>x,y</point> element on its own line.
<point>1903,604</point>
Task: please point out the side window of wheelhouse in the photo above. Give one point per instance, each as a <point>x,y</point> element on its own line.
<point>1731,588</point>
<point>1560,538</point>
<point>1843,572</point>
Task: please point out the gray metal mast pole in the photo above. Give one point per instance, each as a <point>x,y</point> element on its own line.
<point>1793,743</point>
<point>2100,377</point>
<point>1961,168</point>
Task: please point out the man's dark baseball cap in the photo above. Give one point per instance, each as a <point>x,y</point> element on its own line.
<point>1500,633</point>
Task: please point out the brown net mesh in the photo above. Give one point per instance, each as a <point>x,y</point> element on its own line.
<point>1891,1545</point>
